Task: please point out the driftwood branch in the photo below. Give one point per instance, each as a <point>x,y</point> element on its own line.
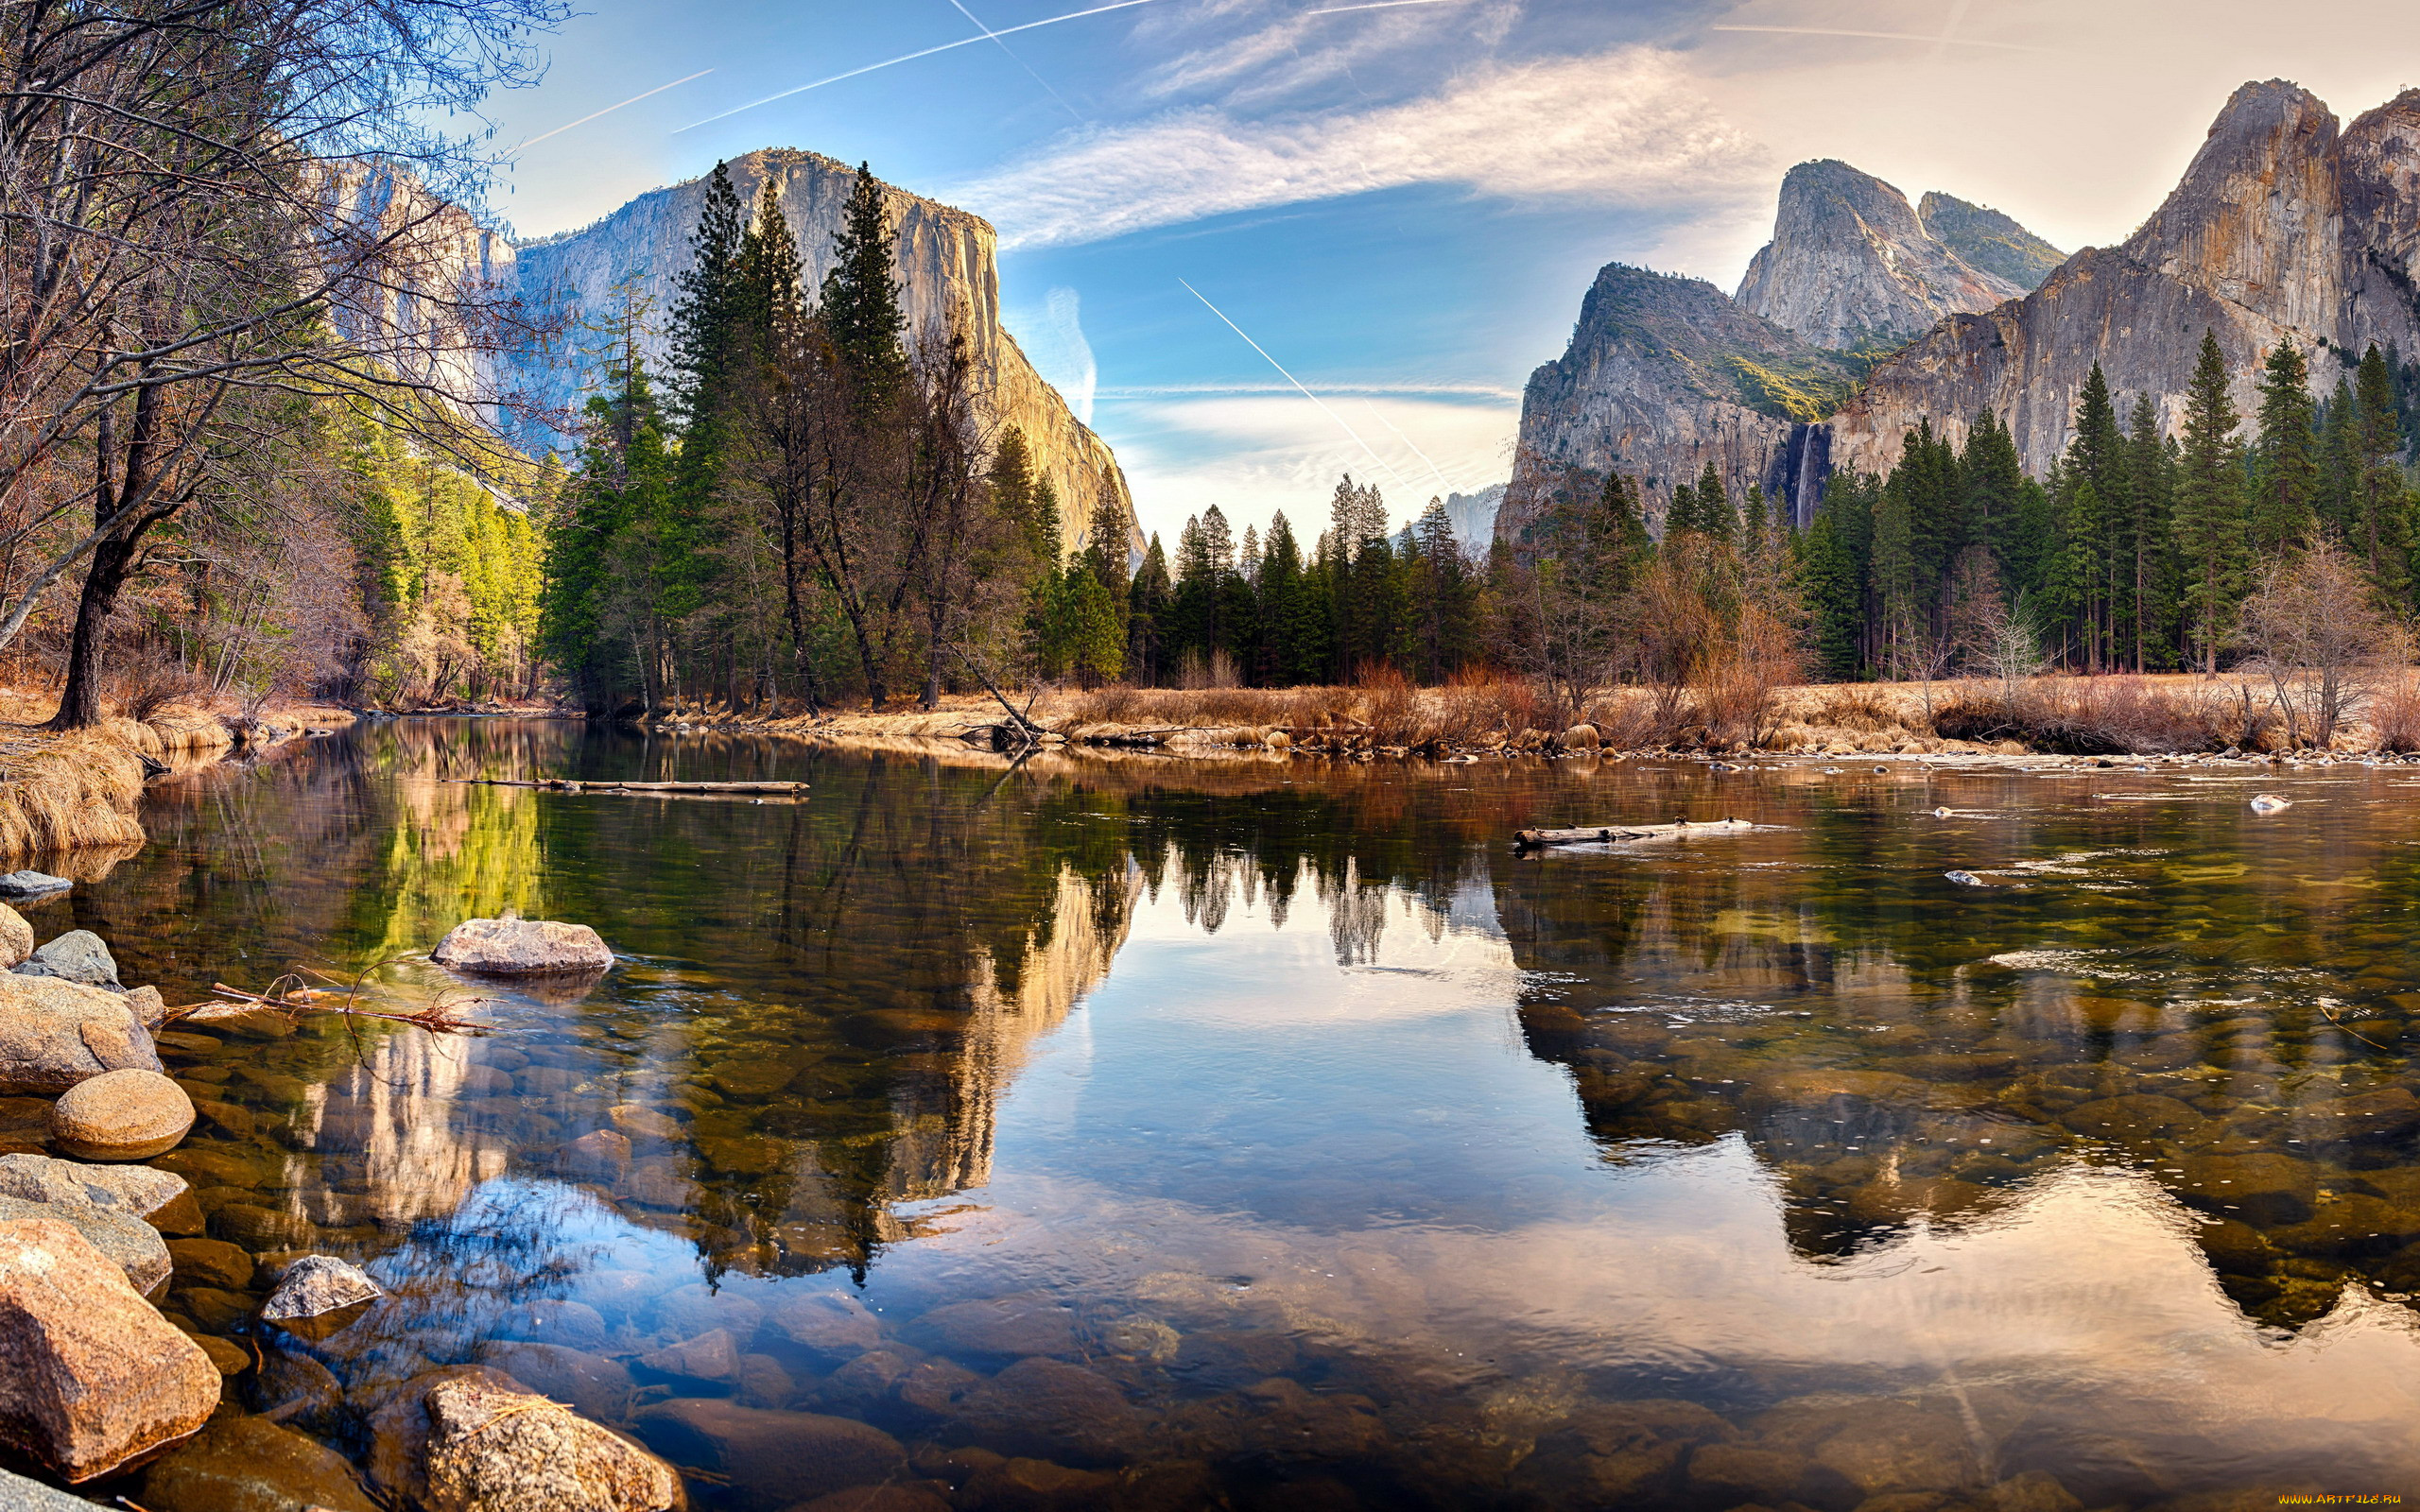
<point>1630,833</point>
<point>562,785</point>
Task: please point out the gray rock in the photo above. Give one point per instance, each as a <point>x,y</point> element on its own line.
<point>711,1357</point>
<point>316,1285</point>
<point>521,947</point>
<point>31,885</point>
<point>78,956</point>
<point>135,1246</point>
<point>135,1189</point>
<point>55,1034</point>
<point>17,1494</point>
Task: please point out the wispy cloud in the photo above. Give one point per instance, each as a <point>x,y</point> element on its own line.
<point>1622,128</point>
<point>1301,50</point>
<point>1054,340</point>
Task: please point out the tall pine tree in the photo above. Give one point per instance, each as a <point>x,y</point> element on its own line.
<point>2210,514</point>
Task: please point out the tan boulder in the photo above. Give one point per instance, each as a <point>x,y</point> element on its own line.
<point>493,1449</point>
<point>135,1189</point>
<point>55,1034</point>
<point>252,1464</point>
<point>16,937</point>
<point>121,1115</point>
<point>95,1376</point>
<point>521,947</point>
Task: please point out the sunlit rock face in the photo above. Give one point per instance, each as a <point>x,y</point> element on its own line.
<point>1851,266</point>
<point>1663,377</point>
<point>948,272</point>
<point>2283,227</point>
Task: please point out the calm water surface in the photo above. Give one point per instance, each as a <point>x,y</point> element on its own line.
<point>1160,1135</point>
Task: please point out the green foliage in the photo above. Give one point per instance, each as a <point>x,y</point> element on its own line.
<point>1804,393</point>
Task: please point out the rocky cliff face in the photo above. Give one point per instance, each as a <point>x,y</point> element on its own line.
<point>948,272</point>
<point>2282,226</point>
<point>1988,241</point>
<point>1663,376</point>
<point>1473,517</point>
<point>1852,265</point>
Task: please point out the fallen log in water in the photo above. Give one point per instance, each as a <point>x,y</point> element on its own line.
<point>562,784</point>
<point>1618,833</point>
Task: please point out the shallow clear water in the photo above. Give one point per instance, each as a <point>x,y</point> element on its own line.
<point>1155,1134</point>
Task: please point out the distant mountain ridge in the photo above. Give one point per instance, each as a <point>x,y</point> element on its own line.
<point>2285,226</point>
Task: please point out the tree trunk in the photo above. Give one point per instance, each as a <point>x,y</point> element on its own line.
<point>79,702</point>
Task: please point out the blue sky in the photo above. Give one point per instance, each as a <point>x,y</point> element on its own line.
<point>1401,203</point>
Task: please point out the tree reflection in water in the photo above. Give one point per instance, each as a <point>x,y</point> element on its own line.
<point>1331,1265</point>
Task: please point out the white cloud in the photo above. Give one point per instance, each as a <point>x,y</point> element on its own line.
<point>1302,49</point>
<point>1055,343</point>
<point>1622,128</point>
<point>1253,455</point>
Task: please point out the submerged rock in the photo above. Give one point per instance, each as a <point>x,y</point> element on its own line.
<point>122,1115</point>
<point>711,1357</point>
<point>772,1459</point>
<point>399,1430</point>
<point>96,1377</point>
<point>494,1450</point>
<point>124,1238</point>
<point>316,1285</point>
<point>593,1386</point>
<point>252,1464</point>
<point>53,1034</point>
<point>78,956</point>
<point>135,1189</point>
<point>521,947</point>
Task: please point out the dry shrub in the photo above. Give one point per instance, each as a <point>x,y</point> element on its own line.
<point>1629,720</point>
<point>1862,708</point>
<point>2107,716</point>
<point>1390,707</point>
<point>148,684</point>
<point>2394,713</point>
<point>1473,706</point>
<point>79,790</point>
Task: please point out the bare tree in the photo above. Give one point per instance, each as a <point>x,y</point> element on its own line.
<point>2314,631</point>
<point>212,213</point>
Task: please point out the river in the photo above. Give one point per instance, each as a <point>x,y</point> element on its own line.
<point>1267,1134</point>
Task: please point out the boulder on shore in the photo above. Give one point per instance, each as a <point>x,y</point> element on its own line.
<point>493,1449</point>
<point>135,1189</point>
<point>55,1034</point>
<point>16,937</point>
<point>78,956</point>
<point>121,1115</point>
<point>134,1245</point>
<point>521,947</point>
<point>31,885</point>
<point>96,1378</point>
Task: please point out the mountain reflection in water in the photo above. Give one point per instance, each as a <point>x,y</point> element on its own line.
<point>1141,1133</point>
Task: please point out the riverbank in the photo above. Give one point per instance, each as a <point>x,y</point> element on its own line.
<point>2158,714</point>
<point>77,792</point>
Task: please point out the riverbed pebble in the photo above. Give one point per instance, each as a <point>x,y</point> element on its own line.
<point>96,1376</point>
<point>121,1115</point>
<point>521,947</point>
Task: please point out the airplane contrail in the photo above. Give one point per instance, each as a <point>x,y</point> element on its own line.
<point>909,58</point>
<point>1019,62</point>
<point>1888,36</point>
<point>1379,5</point>
<point>1408,441</point>
<point>1298,384</point>
<point>607,111</point>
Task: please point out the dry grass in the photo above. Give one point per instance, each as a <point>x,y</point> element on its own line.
<point>2393,715</point>
<point>1383,710</point>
